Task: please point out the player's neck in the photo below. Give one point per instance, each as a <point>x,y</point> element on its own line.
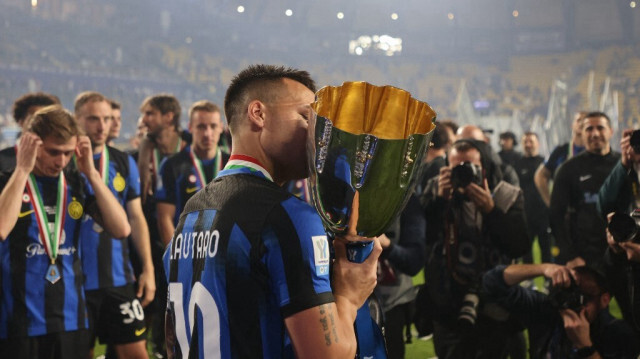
<point>204,154</point>
<point>97,148</point>
<point>168,140</point>
<point>251,149</point>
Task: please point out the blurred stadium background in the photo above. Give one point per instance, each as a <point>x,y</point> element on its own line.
<point>517,64</point>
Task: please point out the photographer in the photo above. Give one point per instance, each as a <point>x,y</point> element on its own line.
<point>619,194</point>
<point>483,224</point>
<point>571,322</point>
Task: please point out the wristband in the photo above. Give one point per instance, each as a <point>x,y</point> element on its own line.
<point>584,352</point>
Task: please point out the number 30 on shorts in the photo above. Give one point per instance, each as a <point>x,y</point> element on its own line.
<point>132,311</point>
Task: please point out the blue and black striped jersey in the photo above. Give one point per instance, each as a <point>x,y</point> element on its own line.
<point>246,254</point>
<point>180,180</point>
<point>105,260</point>
<point>30,305</point>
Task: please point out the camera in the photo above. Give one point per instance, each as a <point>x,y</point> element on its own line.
<point>465,173</point>
<point>624,227</point>
<point>567,298</point>
<point>468,311</point>
<point>634,141</point>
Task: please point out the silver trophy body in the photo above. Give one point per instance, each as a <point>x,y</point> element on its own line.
<point>365,146</point>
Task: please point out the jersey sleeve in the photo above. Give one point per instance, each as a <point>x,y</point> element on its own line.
<point>552,163</point>
<point>297,257</point>
<point>133,191</point>
<point>166,191</point>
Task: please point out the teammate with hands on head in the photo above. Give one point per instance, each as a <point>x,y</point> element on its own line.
<point>42,311</point>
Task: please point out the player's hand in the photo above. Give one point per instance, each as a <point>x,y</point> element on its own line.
<point>444,183</point>
<point>576,262</point>
<point>146,287</point>
<point>576,326</point>
<point>610,241</point>
<point>632,249</point>
<point>354,281</point>
<point>28,149</point>
<point>84,156</point>
<point>481,196</point>
<point>559,275</point>
<point>626,151</point>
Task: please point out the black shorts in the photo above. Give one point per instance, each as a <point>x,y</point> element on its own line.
<point>115,316</point>
<point>62,345</point>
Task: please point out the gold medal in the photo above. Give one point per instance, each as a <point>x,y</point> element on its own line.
<point>75,209</point>
<point>119,183</point>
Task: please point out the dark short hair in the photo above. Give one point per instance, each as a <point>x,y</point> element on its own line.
<point>41,99</point>
<point>595,114</point>
<point>440,137</point>
<point>593,278</point>
<point>509,135</point>
<point>256,82</point>
<point>164,103</point>
<point>530,133</point>
<point>451,124</point>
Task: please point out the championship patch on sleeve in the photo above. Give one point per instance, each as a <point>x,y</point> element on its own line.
<point>321,254</point>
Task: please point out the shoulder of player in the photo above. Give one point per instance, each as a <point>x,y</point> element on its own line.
<point>177,161</point>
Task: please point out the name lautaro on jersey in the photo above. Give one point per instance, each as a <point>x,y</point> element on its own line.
<point>196,245</point>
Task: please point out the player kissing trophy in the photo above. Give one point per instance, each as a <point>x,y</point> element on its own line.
<point>365,146</point>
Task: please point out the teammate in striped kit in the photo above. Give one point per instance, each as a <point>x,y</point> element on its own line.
<point>249,263</point>
<point>42,312</point>
<point>190,170</point>
<point>115,312</point>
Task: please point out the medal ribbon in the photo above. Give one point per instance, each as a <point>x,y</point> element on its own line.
<point>50,239</point>
<point>243,161</point>
<point>104,165</point>
<point>197,165</point>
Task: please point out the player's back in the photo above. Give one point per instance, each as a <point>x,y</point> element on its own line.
<point>242,245</point>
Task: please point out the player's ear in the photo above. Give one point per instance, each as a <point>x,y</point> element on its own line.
<point>256,112</point>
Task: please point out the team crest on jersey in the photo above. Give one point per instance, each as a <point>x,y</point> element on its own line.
<point>192,179</point>
<point>75,209</point>
<point>119,183</point>
<point>26,198</point>
<point>321,254</point>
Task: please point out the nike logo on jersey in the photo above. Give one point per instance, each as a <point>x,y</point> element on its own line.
<point>191,189</point>
<point>140,331</point>
<point>584,178</point>
<point>24,214</point>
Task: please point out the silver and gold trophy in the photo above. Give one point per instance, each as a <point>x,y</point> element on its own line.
<point>365,146</point>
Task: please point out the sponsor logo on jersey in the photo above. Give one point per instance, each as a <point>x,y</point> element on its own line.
<point>24,214</point>
<point>190,190</point>
<point>139,332</point>
<point>321,254</point>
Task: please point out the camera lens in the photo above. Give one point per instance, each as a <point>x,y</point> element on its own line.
<point>468,312</point>
<point>622,227</point>
<point>461,175</point>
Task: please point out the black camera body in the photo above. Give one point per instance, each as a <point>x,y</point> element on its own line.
<point>466,173</point>
<point>634,141</point>
<point>567,298</point>
<point>624,227</point>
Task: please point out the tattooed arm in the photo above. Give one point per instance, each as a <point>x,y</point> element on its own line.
<point>326,331</point>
